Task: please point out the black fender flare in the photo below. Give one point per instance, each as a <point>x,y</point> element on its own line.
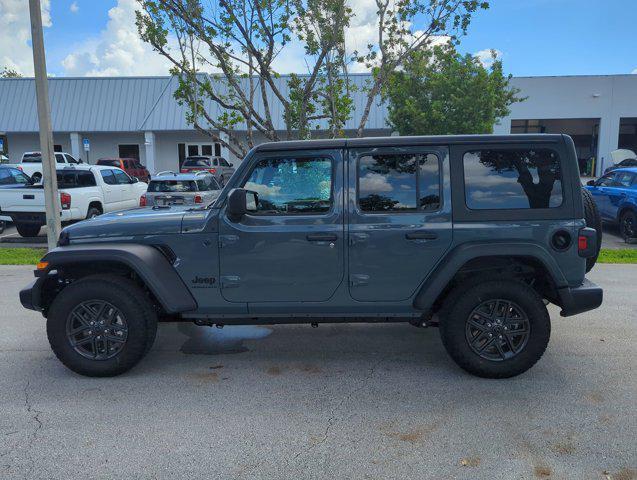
<point>146,261</point>
<point>444,272</point>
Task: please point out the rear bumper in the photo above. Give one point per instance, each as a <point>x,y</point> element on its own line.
<point>588,296</point>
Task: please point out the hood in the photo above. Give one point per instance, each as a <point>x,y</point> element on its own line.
<point>127,223</point>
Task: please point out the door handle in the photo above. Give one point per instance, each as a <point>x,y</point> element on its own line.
<point>421,235</point>
<point>321,237</point>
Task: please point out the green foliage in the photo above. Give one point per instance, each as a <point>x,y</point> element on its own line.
<point>7,72</point>
<point>628,255</point>
<point>21,256</point>
<point>441,92</point>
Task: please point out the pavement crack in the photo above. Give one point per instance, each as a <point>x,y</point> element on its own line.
<point>331,421</point>
<point>34,413</point>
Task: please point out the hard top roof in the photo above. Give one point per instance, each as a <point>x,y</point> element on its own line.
<point>407,141</point>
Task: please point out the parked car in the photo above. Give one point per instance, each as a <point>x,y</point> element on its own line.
<point>85,191</point>
<point>11,177</point>
<point>170,188</point>
<point>218,166</point>
<point>470,233</point>
<point>131,166</point>
<point>622,158</point>
<point>31,163</point>
<point>615,195</point>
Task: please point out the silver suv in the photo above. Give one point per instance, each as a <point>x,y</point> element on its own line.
<point>170,188</point>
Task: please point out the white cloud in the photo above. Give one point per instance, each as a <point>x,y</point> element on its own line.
<point>375,182</point>
<point>117,50</point>
<point>15,34</point>
<point>486,56</point>
<point>74,8</point>
<point>634,71</point>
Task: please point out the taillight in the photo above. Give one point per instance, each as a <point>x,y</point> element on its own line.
<point>142,201</point>
<point>183,170</point>
<point>582,243</point>
<point>212,170</point>
<point>20,168</point>
<point>65,200</point>
<point>198,199</point>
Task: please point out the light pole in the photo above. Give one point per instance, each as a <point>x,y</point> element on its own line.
<point>49,178</point>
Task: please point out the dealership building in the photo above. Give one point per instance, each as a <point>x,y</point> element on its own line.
<point>139,117</point>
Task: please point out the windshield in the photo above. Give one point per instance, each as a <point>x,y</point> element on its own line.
<point>168,186</point>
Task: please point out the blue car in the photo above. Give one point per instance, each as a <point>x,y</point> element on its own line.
<point>615,195</point>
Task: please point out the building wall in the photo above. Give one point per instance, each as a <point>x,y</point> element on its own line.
<point>19,143</point>
<point>608,98</point>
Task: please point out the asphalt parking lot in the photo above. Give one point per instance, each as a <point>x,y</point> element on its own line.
<point>368,401</point>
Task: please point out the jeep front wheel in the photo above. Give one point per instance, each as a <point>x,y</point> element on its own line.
<point>101,325</point>
<point>496,329</point>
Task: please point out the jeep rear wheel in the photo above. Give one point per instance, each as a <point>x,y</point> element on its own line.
<point>101,325</point>
<point>496,329</point>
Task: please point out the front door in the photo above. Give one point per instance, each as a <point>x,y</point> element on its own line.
<point>292,248</point>
<point>399,219</point>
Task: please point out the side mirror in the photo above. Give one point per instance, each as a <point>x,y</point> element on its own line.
<point>591,183</point>
<point>241,202</point>
<point>79,160</point>
<point>134,180</point>
<point>232,164</point>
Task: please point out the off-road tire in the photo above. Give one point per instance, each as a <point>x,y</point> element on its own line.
<point>593,220</point>
<point>120,292</point>
<point>28,230</point>
<point>467,297</point>
<point>628,231</point>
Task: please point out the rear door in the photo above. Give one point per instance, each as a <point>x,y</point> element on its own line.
<point>399,219</point>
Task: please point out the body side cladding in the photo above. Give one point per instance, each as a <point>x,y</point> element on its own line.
<point>148,262</point>
<point>438,280</point>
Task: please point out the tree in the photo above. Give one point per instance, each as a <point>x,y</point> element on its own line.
<point>7,72</point>
<point>405,27</point>
<point>239,42</point>
<point>440,92</point>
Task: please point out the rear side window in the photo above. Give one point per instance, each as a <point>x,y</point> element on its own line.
<point>625,179</point>
<point>167,186</point>
<point>32,158</point>
<point>512,179</point>
<point>399,182</point>
<point>109,178</point>
<point>70,179</point>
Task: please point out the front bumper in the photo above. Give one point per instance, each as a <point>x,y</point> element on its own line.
<point>588,296</point>
<point>30,296</point>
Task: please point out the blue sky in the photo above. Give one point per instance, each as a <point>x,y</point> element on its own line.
<point>535,37</point>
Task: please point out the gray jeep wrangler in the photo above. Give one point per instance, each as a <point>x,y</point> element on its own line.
<point>473,234</point>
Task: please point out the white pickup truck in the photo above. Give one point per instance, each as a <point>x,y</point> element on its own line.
<point>31,163</point>
<point>85,192</point>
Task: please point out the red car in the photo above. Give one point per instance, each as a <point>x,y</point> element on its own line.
<point>129,165</point>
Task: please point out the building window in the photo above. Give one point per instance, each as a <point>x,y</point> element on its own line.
<point>512,179</point>
<point>129,151</point>
<point>628,134</point>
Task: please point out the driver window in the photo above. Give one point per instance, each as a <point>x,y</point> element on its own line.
<point>292,185</point>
